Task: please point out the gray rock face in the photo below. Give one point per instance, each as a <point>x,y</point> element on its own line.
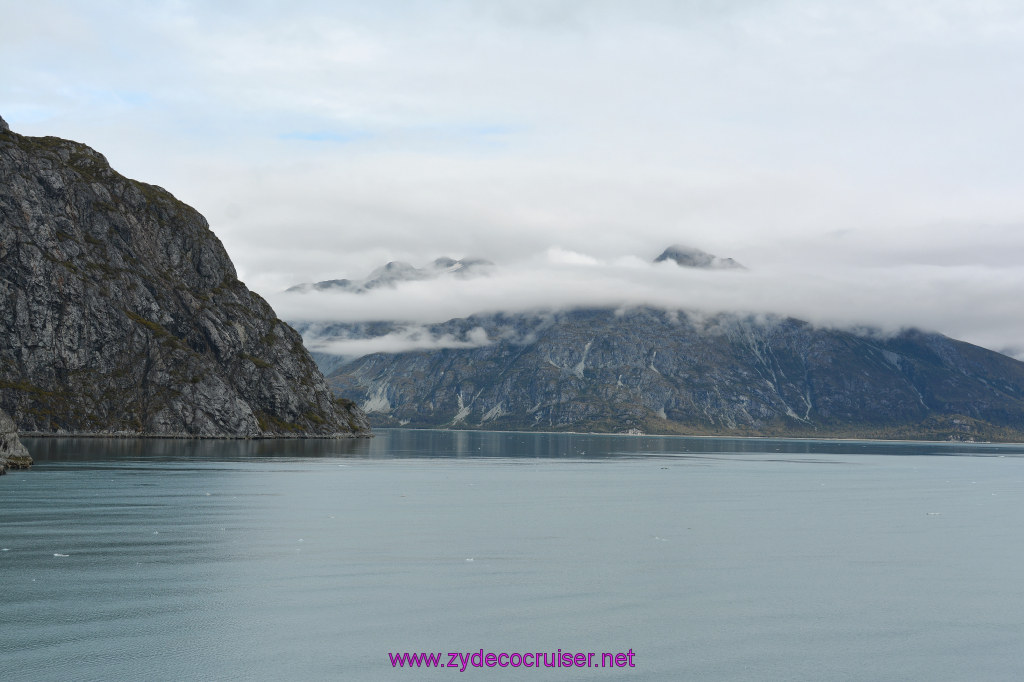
<point>121,313</point>
<point>669,372</point>
<point>689,257</point>
<point>12,453</point>
<point>3,125</point>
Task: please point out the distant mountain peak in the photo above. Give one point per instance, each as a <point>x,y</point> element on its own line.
<point>396,266</point>
<point>395,272</point>
<point>691,257</point>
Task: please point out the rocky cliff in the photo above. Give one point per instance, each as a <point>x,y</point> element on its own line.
<point>670,372</point>
<point>121,313</point>
<point>12,453</point>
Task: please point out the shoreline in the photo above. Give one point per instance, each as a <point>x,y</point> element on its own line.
<point>126,435</point>
<point>122,435</point>
<point>837,439</point>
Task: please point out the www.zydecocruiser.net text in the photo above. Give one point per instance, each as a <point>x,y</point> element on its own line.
<point>462,660</point>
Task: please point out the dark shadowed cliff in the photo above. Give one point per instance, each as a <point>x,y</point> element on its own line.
<point>121,312</point>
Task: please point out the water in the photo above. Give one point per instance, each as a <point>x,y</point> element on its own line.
<point>711,559</point>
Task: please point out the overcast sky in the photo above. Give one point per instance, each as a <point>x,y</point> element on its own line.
<point>864,159</point>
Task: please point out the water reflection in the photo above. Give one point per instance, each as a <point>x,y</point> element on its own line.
<point>439,443</point>
<point>420,444</point>
<point>166,449</point>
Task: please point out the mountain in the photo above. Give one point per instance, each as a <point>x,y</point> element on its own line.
<point>121,313</point>
<point>395,272</point>
<point>689,257</point>
<point>659,371</point>
<point>12,453</point>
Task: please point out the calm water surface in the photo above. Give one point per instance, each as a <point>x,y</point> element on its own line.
<point>711,559</point>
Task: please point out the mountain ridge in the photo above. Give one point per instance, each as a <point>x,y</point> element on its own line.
<point>671,372</point>
<point>395,272</point>
<point>692,257</point>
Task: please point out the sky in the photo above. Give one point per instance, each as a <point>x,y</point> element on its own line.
<point>863,159</point>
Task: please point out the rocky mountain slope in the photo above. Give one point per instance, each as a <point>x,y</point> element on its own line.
<point>121,313</point>
<point>12,453</point>
<point>669,372</point>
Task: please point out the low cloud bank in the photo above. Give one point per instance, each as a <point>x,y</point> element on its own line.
<point>400,341</point>
<point>975,303</point>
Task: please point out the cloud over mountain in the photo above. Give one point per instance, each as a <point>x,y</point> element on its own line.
<point>855,155</point>
<point>969,302</point>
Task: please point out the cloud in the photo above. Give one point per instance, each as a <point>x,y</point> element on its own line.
<point>861,156</point>
<point>972,302</point>
<point>403,340</point>
<point>559,256</point>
